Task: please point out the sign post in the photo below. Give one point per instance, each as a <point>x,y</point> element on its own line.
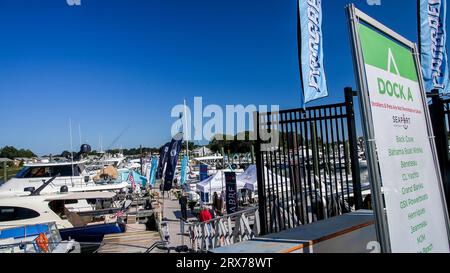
<point>407,193</point>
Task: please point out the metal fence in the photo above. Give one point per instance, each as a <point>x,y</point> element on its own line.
<point>224,231</point>
<point>307,165</point>
<point>440,118</point>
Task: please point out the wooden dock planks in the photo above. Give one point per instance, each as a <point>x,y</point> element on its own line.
<point>136,239</point>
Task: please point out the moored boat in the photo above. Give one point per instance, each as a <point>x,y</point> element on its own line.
<point>37,238</point>
<point>80,216</point>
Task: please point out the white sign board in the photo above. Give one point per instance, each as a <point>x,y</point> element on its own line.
<point>411,185</point>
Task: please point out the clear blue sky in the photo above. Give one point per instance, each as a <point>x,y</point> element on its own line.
<point>115,64</point>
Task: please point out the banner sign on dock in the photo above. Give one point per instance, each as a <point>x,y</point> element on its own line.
<point>401,152</point>
<point>311,50</point>
<point>203,172</point>
<point>153,170</point>
<point>163,155</point>
<point>204,197</point>
<point>433,45</point>
<point>231,195</point>
<point>172,161</point>
<point>184,166</point>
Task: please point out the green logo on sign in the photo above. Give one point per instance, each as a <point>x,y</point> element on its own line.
<point>390,88</point>
<point>381,52</point>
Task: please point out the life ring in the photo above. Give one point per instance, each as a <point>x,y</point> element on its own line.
<point>42,242</point>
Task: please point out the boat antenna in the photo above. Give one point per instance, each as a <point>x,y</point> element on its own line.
<point>71,148</point>
<point>119,136</point>
<point>100,144</point>
<point>79,133</point>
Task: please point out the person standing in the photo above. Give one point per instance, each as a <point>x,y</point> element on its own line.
<point>175,182</point>
<point>215,201</point>
<point>205,215</point>
<point>183,204</point>
<point>217,204</point>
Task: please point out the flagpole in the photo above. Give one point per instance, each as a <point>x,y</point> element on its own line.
<point>187,144</point>
<point>186,125</point>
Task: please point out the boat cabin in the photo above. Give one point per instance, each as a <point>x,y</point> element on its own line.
<point>32,176</point>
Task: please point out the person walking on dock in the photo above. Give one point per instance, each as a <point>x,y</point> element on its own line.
<point>183,204</point>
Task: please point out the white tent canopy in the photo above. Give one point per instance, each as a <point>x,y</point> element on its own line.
<point>250,179</point>
<point>216,183</point>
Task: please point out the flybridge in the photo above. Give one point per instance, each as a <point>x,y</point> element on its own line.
<point>392,89</point>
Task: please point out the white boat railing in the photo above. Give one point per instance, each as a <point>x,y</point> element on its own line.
<point>26,243</point>
<point>224,231</point>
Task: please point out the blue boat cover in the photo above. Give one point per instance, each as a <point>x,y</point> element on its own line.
<point>22,232</point>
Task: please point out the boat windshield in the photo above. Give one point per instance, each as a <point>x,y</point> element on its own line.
<point>22,172</point>
<point>48,171</point>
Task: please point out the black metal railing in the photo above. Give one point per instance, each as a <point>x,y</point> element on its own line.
<point>308,166</point>
<point>440,119</point>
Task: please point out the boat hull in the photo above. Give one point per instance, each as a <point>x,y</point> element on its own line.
<point>90,237</point>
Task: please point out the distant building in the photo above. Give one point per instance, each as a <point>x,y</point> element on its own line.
<point>5,160</point>
<point>202,151</point>
<point>23,160</point>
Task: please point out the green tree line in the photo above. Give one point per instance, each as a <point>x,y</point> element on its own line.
<point>13,153</point>
<point>239,143</point>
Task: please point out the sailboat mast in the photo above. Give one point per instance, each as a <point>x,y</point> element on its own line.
<point>79,133</point>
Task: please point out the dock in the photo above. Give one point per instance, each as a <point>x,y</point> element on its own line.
<point>171,214</point>
<point>136,239</point>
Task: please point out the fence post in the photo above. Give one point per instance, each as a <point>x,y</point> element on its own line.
<point>253,154</point>
<point>437,114</point>
<point>5,172</point>
<point>315,150</point>
<point>260,176</point>
<point>353,141</point>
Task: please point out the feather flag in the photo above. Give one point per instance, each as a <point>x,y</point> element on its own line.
<point>174,151</point>
<point>433,45</point>
<point>310,44</point>
<point>184,163</point>
<point>131,180</point>
<point>153,171</point>
<point>163,156</point>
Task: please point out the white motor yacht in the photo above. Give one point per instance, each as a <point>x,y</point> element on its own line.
<point>67,174</point>
<point>85,216</point>
<point>61,208</point>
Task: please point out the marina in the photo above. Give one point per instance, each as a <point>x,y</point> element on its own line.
<point>140,218</point>
<point>224,128</point>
